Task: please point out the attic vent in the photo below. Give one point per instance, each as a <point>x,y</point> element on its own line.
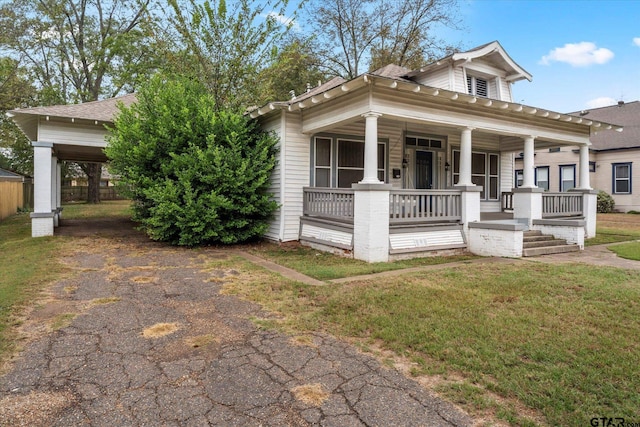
<point>477,86</point>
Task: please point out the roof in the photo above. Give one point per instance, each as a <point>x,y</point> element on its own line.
<point>625,114</point>
<point>103,110</point>
<point>6,174</point>
<point>492,52</point>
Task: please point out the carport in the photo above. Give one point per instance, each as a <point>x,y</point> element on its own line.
<point>63,132</point>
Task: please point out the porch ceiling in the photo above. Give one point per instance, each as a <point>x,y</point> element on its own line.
<point>79,153</point>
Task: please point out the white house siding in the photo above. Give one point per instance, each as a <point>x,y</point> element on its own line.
<point>297,166</point>
<point>505,90</point>
<point>72,133</point>
<point>460,82</point>
<point>273,124</point>
<point>604,177</point>
<point>439,79</point>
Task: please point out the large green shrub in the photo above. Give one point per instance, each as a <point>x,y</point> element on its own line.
<point>196,175</point>
<point>605,202</point>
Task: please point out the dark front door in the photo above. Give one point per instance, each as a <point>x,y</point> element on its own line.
<point>424,169</point>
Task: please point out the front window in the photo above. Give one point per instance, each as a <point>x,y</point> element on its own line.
<point>542,177</point>
<point>567,177</point>
<point>621,178</point>
<point>484,172</point>
<point>339,162</point>
<point>519,178</point>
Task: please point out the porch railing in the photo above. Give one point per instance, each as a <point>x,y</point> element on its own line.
<point>507,201</point>
<point>561,204</point>
<point>332,203</point>
<point>412,206</point>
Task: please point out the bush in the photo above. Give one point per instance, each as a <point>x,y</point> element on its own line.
<point>196,176</point>
<point>605,202</point>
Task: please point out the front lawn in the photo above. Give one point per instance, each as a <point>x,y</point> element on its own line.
<point>529,343</point>
<point>629,250</point>
<point>615,227</point>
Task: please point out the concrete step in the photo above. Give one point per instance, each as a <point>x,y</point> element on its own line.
<point>539,238</point>
<point>542,243</point>
<point>547,250</point>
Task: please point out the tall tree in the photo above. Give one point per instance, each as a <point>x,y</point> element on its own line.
<point>230,42</point>
<point>354,36</point>
<point>15,91</point>
<point>81,50</point>
<point>294,68</point>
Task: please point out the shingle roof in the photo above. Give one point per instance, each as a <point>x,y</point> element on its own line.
<point>624,114</point>
<point>393,71</point>
<point>8,174</point>
<point>103,110</point>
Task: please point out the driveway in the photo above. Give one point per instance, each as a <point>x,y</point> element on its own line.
<point>139,334</point>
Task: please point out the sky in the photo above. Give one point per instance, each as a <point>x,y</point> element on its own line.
<point>581,53</point>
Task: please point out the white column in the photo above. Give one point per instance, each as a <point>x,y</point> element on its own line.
<point>371,222</point>
<point>54,189</point>
<point>528,178</point>
<point>371,149</point>
<point>59,189</point>
<point>584,183</point>
<point>42,216</point>
<point>465,158</point>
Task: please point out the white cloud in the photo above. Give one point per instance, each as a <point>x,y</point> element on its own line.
<point>287,22</point>
<point>636,41</point>
<point>603,101</point>
<point>578,54</point>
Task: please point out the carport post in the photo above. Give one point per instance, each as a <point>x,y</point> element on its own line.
<point>42,215</point>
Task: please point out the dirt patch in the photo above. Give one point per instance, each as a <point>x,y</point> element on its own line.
<point>311,394</point>
<point>33,409</point>
<point>160,330</point>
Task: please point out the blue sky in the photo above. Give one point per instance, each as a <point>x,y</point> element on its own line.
<point>581,53</point>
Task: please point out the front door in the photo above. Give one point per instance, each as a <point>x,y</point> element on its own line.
<point>424,169</point>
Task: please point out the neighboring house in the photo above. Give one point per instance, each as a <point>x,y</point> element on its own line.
<point>392,163</point>
<point>612,156</point>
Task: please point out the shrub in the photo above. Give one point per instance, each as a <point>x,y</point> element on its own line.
<point>196,175</point>
<point>605,202</point>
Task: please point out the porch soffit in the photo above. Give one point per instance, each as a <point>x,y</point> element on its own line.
<point>447,100</point>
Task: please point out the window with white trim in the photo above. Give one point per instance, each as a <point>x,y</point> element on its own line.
<point>519,178</point>
<point>485,171</point>
<point>339,162</point>
<point>621,178</point>
<point>322,165</point>
<point>542,177</point>
<point>477,86</point>
<point>567,177</point>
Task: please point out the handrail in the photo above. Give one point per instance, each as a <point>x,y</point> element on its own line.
<point>332,203</point>
<point>413,206</point>
<point>561,204</point>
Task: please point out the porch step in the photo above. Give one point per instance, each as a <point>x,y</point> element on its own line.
<point>535,243</point>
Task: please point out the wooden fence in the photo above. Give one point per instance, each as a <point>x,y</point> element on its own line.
<point>11,198</point>
<point>79,193</point>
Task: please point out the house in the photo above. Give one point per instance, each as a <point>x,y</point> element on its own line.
<point>611,158</point>
<point>393,163</point>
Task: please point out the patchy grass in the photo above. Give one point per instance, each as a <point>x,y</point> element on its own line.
<point>27,265</point>
<point>160,330</point>
<point>617,227</point>
<point>326,266</point>
<point>201,341</point>
<point>62,321</point>
<point>109,208</point>
<point>106,300</point>
<point>627,250</point>
<point>311,394</point>
<point>527,343</point>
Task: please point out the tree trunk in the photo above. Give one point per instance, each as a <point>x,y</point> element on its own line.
<point>94,173</point>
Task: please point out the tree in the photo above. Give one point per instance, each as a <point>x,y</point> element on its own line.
<point>197,173</point>
<point>15,91</point>
<point>230,44</point>
<point>354,36</point>
<point>294,67</point>
<point>81,50</point>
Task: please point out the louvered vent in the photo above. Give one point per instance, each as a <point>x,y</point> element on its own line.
<point>481,88</point>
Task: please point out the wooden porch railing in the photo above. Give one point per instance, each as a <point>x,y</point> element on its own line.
<point>561,204</point>
<point>507,201</point>
<point>414,206</point>
<point>331,203</point>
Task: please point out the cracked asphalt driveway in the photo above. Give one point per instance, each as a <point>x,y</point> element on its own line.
<point>142,336</point>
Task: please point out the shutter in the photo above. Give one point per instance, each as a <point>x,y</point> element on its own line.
<point>481,88</point>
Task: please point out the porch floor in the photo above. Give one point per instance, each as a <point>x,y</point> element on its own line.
<point>495,216</point>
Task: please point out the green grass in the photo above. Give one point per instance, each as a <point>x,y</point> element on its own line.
<point>110,208</point>
<point>533,343</point>
<point>327,266</point>
<point>613,228</point>
<point>27,265</point>
<point>627,250</point>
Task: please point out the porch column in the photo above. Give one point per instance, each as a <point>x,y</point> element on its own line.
<point>42,215</point>
<point>54,190</point>
<point>59,189</point>
<point>371,149</point>
<point>371,222</point>
<point>528,172</point>
<point>584,183</point>
<point>465,158</point>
